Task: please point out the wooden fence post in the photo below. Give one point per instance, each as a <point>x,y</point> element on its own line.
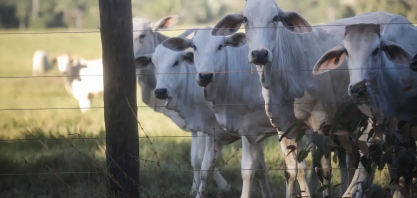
<point>122,142</point>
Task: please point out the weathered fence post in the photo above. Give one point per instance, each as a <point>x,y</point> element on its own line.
<point>122,142</point>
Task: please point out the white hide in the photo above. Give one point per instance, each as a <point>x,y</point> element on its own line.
<point>290,90</point>
<point>145,39</point>
<point>238,106</point>
<point>83,78</point>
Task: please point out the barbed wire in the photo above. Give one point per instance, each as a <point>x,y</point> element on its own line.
<point>189,170</point>
<point>148,136</point>
<point>184,29</point>
<point>186,73</point>
<point>140,137</point>
<point>192,105</point>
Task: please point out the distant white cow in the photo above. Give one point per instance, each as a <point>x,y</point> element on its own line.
<point>83,78</point>
<point>145,39</point>
<point>379,70</point>
<point>41,62</point>
<point>285,48</point>
<point>237,101</point>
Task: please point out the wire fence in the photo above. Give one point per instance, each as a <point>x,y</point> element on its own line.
<point>159,164</point>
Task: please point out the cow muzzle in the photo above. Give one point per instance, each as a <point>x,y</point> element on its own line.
<point>357,90</point>
<point>204,79</point>
<point>260,57</point>
<point>161,93</point>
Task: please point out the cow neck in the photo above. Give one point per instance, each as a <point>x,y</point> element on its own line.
<point>389,85</point>
<point>289,70</point>
<point>188,99</point>
<point>235,84</point>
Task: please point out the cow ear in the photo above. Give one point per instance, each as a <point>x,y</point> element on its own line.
<point>188,56</point>
<point>236,40</point>
<point>143,62</point>
<point>177,43</point>
<point>165,23</point>
<point>230,24</point>
<point>395,53</point>
<point>294,22</point>
<point>332,59</point>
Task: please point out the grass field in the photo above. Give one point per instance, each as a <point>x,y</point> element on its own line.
<point>65,167</point>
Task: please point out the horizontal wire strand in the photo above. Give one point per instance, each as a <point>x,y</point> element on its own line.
<point>183,170</point>
<point>194,105</point>
<point>184,29</point>
<point>140,137</point>
<point>182,73</point>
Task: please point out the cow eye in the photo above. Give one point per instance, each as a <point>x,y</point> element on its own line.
<point>275,19</point>
<point>141,37</point>
<point>375,52</point>
<point>175,64</point>
<point>245,20</point>
<point>220,47</point>
<point>195,48</point>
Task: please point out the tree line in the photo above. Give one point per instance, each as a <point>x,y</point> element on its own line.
<point>25,14</point>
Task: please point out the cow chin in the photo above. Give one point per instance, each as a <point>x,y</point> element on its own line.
<point>203,83</point>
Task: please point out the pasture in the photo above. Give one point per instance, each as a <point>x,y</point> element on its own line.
<point>46,151</point>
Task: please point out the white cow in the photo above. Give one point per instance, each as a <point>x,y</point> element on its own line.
<point>41,62</point>
<point>145,39</point>
<point>175,86</point>
<point>237,102</point>
<point>285,48</point>
<point>379,69</point>
<point>83,78</point>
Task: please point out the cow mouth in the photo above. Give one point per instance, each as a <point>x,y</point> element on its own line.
<point>203,83</point>
<point>161,96</point>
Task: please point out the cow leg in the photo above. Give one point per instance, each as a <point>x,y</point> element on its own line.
<point>211,156</point>
<point>345,173</point>
<point>261,175</point>
<point>83,99</point>
<point>294,170</point>
<point>360,176</point>
<point>198,145</point>
<point>251,154</point>
<point>367,179</point>
<point>220,181</point>
<point>326,168</point>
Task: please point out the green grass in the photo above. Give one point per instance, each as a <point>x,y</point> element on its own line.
<point>61,156</point>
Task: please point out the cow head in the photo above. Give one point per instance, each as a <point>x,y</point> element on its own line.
<point>145,33</point>
<point>145,40</point>
<point>167,65</point>
<point>65,62</point>
<point>209,52</point>
<point>366,52</point>
<point>261,18</point>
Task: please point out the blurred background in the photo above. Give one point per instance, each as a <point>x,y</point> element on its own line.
<point>25,14</point>
<point>48,148</point>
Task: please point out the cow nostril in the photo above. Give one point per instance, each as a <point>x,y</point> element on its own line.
<point>161,93</point>
<point>253,53</point>
<point>206,77</point>
<point>265,53</point>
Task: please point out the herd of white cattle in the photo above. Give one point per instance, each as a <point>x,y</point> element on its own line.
<point>203,81</point>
